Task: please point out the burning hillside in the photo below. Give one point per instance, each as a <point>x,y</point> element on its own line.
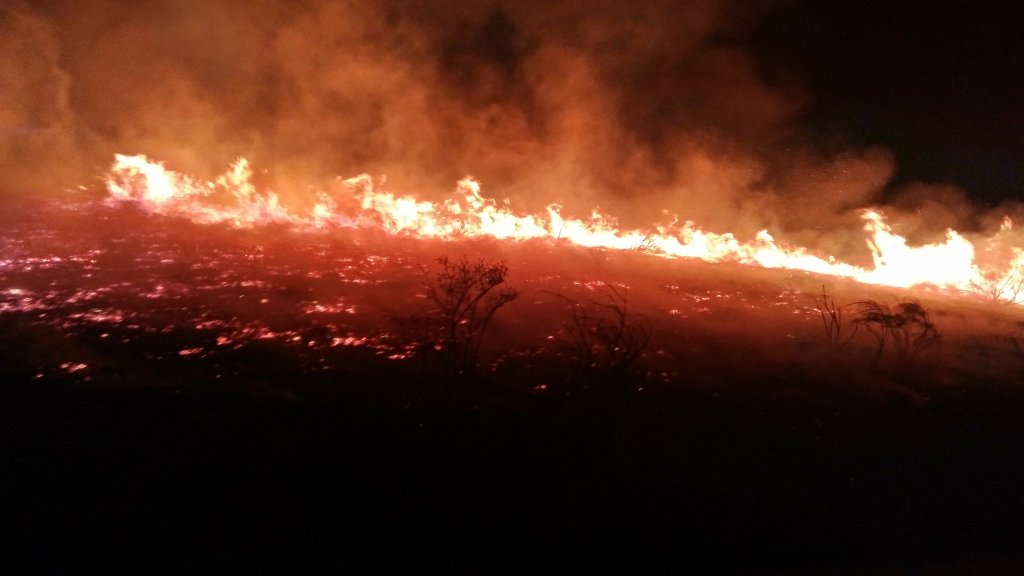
<point>734,284</point>
<point>207,381</point>
<point>170,279</point>
<point>232,198</point>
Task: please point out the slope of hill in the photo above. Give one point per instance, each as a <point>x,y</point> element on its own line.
<point>179,396</point>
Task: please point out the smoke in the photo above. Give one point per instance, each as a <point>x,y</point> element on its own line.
<point>37,124</point>
<point>637,107</point>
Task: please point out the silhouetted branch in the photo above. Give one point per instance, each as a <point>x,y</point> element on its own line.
<point>603,335</point>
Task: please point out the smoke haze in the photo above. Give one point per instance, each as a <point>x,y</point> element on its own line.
<point>636,107</point>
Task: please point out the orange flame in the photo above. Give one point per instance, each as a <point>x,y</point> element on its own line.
<point>156,189</point>
<point>949,265</point>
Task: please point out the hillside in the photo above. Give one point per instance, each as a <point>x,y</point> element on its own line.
<point>179,396</point>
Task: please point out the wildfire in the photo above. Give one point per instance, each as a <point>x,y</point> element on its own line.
<point>232,198</point>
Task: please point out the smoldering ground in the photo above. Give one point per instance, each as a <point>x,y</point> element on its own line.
<point>636,108</point>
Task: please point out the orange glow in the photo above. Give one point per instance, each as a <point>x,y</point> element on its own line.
<point>949,265</point>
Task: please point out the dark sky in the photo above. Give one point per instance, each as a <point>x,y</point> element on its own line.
<point>737,114</point>
<point>940,84</point>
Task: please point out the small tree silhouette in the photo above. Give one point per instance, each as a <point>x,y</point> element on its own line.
<point>602,335</point>
<point>467,294</point>
<point>906,325</point>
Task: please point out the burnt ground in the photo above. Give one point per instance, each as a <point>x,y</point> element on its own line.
<point>179,398</point>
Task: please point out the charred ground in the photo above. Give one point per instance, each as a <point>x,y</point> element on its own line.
<point>179,396</point>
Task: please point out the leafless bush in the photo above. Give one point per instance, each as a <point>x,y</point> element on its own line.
<point>1009,290</point>
<point>466,294</point>
<point>906,325</point>
<point>832,319</point>
<point>647,245</point>
<point>604,336</point>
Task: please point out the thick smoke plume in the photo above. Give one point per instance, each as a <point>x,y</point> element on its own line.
<point>636,107</point>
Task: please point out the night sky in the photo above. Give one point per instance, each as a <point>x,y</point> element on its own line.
<point>940,86</point>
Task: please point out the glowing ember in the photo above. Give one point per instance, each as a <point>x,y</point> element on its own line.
<point>232,198</point>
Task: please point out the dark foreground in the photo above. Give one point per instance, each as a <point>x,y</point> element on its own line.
<point>157,481</point>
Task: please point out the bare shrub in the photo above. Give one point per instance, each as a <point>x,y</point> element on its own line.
<point>1010,290</point>
<point>832,320</point>
<point>906,325</point>
<point>604,336</point>
<point>647,245</point>
<point>466,295</point>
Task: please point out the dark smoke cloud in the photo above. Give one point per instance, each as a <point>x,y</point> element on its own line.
<point>634,106</point>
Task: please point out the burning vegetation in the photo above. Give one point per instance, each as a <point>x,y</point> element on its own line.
<point>211,272</point>
<point>675,303</point>
<point>232,198</point>
<point>533,363</point>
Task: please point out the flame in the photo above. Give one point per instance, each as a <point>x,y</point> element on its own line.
<point>232,198</point>
<point>162,191</point>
